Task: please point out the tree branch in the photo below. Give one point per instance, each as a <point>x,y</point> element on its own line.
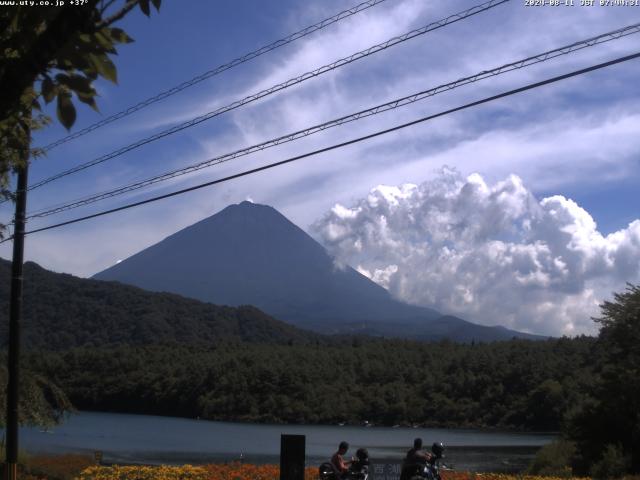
<point>130,5</point>
<point>106,6</point>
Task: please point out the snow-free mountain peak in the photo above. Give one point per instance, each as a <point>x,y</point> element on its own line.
<point>250,254</point>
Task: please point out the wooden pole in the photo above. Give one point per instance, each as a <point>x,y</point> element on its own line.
<point>15,315</point>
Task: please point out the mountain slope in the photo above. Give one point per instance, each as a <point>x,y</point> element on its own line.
<point>62,311</point>
<point>251,254</point>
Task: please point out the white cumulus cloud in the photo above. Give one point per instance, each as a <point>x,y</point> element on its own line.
<point>493,254</point>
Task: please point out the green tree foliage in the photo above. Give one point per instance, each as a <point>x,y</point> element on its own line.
<point>606,424</point>
<point>53,54</point>
<point>382,381</point>
<point>613,463</point>
<point>546,404</point>
<point>554,460</point>
<point>42,402</point>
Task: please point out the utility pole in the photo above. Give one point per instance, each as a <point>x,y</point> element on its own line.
<point>15,315</point>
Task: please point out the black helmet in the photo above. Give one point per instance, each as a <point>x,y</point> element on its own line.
<point>343,446</point>
<point>438,449</point>
<point>417,443</point>
<point>362,454</point>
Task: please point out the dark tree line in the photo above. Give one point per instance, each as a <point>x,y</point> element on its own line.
<point>516,384</point>
<point>605,425</point>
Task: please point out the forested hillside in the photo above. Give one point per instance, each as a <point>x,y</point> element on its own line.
<point>516,384</point>
<point>62,311</point>
<point>119,348</point>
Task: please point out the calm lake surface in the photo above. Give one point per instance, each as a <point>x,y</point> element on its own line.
<point>149,439</point>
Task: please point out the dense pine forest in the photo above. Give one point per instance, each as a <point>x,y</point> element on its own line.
<point>517,384</point>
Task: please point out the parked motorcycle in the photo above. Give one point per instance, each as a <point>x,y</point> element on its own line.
<point>425,471</point>
<point>358,470</point>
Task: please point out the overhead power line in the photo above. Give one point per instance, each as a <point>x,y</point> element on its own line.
<point>344,144</point>
<point>281,86</point>
<point>222,68</point>
<point>532,60</point>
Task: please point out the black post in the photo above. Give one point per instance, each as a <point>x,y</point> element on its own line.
<point>292,451</point>
<point>15,313</point>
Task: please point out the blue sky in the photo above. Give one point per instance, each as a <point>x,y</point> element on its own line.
<point>576,139</point>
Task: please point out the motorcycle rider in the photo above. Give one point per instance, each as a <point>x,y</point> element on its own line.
<point>438,449</point>
<point>337,469</point>
<point>361,460</point>
<point>415,459</point>
<point>416,455</point>
<point>337,460</point>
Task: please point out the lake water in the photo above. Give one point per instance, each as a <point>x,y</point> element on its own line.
<point>149,439</point>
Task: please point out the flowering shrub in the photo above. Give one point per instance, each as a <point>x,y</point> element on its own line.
<point>231,471</point>
<point>243,471</point>
<point>59,467</point>
<point>238,471</point>
<point>163,472</point>
<point>449,475</point>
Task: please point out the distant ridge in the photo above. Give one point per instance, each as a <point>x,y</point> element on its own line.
<point>62,311</point>
<point>251,254</point>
